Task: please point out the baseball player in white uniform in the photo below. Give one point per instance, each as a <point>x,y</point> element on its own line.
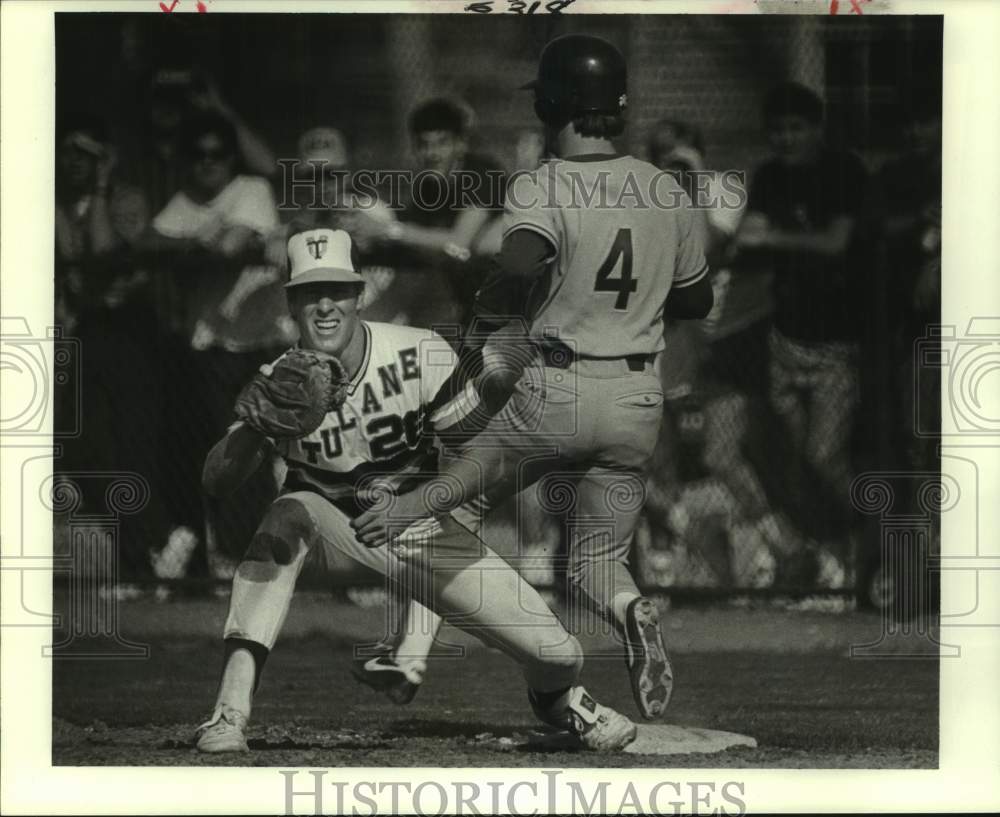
<point>404,388</point>
<point>593,261</point>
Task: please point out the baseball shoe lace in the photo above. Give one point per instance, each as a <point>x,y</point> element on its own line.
<point>598,728</point>
<point>225,731</point>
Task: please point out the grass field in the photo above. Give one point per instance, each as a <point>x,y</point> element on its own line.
<point>782,677</point>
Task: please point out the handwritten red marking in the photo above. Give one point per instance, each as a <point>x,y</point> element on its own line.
<point>855,6</point>
<point>202,8</point>
<point>172,6</point>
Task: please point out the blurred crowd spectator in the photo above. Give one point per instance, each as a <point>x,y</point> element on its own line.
<point>210,239</point>
<point>174,285</point>
<point>319,192</point>
<point>174,95</point>
<point>102,297</point>
<point>751,486</point>
<point>806,211</point>
<point>911,208</point>
<point>448,224</point>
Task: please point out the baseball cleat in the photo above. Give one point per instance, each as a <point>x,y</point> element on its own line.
<point>646,657</point>
<point>598,728</point>
<point>225,731</point>
<point>383,673</point>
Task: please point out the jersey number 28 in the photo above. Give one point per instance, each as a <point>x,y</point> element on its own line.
<point>625,284</point>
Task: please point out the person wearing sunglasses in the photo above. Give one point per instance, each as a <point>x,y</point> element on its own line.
<point>209,242</point>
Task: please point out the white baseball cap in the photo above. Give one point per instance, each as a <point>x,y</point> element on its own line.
<point>321,255</point>
<point>323,145</point>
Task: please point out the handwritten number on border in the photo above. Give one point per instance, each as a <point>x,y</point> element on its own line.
<point>521,6</point>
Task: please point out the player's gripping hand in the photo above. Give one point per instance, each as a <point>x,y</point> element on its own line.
<point>387,516</point>
<point>291,398</point>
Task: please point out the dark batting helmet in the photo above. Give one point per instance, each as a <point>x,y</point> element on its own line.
<point>577,75</point>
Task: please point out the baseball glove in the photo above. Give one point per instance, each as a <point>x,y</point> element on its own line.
<point>291,398</point>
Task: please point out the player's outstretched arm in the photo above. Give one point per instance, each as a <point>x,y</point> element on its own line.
<point>832,241</point>
<point>233,459</point>
<point>384,521</point>
<point>153,243</point>
<point>756,232</point>
<point>456,242</point>
<point>285,400</point>
<point>497,346</point>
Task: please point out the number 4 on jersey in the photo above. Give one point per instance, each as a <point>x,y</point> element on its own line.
<point>625,284</point>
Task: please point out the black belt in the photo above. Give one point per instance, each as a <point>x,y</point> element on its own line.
<point>558,356</point>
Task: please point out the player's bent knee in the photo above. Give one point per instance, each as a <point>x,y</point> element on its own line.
<point>287,523</point>
<point>554,663</point>
<point>567,656</point>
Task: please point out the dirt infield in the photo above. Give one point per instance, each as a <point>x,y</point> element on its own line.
<point>784,678</point>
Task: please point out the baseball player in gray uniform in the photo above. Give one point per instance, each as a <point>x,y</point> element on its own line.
<point>598,248</point>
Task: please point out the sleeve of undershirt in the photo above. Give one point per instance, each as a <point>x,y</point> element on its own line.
<point>522,259</point>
